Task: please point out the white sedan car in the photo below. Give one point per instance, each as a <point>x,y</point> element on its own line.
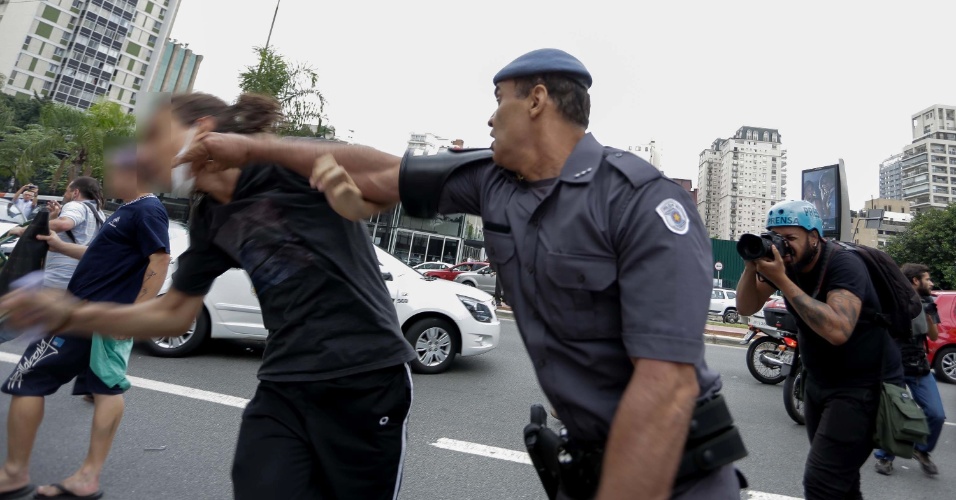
<point>439,318</point>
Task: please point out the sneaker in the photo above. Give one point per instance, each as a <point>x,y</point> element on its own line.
<point>884,466</point>
<point>929,467</point>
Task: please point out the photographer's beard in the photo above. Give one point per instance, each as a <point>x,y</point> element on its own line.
<point>806,260</point>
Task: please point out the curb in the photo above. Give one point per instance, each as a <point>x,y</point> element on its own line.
<point>710,338</point>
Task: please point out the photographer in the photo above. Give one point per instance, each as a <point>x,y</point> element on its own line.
<point>25,199</point>
<point>842,352</point>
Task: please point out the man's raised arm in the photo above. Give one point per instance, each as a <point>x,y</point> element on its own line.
<point>374,172</point>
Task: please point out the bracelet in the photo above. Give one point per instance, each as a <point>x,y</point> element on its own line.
<point>69,316</point>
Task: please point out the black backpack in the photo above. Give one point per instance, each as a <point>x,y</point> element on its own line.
<point>898,299</point>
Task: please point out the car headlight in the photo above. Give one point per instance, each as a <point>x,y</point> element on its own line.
<point>479,310</point>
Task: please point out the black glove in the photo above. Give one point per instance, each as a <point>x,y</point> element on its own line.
<point>929,307</point>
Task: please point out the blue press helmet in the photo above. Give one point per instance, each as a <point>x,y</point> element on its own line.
<point>797,213</point>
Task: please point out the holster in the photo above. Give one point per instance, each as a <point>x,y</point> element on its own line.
<point>421,178</point>
<point>712,442</point>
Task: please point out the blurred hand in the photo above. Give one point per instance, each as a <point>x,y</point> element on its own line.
<point>340,190</point>
<point>53,241</point>
<point>17,231</point>
<point>216,152</point>
<point>48,308</point>
<point>54,208</point>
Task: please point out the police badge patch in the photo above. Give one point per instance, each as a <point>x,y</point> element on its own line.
<point>674,216</point>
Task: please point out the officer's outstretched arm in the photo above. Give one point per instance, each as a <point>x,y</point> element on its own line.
<point>374,172</point>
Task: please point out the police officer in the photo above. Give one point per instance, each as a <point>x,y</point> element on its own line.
<point>604,261</point>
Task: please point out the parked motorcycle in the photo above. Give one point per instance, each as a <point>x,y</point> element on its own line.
<point>793,386</point>
<point>767,352</point>
<point>764,354</point>
<point>773,357</point>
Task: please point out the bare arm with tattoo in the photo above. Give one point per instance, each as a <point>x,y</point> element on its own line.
<point>154,277</point>
<point>834,320</point>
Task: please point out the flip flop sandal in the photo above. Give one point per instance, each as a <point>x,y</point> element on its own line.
<point>9,495</point>
<point>65,493</point>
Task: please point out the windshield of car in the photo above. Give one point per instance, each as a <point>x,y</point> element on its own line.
<point>390,264</point>
<point>10,213</point>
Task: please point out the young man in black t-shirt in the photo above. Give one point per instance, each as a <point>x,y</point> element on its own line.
<point>845,354</point>
<point>916,371</point>
<point>329,416</point>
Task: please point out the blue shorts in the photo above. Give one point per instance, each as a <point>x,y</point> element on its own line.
<point>49,363</point>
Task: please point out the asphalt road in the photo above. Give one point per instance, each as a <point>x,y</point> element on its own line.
<point>173,446</point>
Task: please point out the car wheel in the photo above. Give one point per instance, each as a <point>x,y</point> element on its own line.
<point>945,364</point>
<point>436,343</point>
<point>731,316</point>
<point>175,347</point>
<point>469,283</point>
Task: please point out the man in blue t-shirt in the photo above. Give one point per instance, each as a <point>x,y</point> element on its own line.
<point>125,263</point>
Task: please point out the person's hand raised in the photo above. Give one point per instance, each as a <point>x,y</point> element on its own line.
<point>340,190</point>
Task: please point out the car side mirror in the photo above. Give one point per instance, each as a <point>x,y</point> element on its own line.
<point>387,276</point>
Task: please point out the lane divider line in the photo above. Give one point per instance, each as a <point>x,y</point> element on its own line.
<point>156,385</point>
<point>483,450</point>
<point>237,402</point>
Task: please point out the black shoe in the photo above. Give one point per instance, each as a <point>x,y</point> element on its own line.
<point>929,468</point>
<point>884,466</point>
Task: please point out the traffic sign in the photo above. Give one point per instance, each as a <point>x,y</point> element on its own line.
<point>719,266</point>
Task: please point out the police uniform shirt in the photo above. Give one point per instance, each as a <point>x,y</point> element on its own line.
<point>610,263</point>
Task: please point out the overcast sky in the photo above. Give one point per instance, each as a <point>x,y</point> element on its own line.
<point>838,79</point>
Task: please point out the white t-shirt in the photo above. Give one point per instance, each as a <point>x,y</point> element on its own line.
<point>59,268</point>
<point>25,207</point>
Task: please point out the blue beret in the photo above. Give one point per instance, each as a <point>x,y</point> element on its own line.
<point>541,61</point>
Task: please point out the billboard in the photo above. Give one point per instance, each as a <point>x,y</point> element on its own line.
<point>825,187</point>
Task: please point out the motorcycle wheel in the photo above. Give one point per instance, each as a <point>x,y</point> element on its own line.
<point>763,373</point>
<point>793,405</point>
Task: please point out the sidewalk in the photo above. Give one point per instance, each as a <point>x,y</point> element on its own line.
<point>713,334</point>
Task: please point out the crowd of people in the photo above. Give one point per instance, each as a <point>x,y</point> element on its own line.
<point>575,231</point>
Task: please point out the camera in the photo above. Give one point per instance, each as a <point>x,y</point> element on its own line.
<point>753,247</point>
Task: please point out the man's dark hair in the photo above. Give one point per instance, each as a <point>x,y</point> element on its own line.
<point>914,271</point>
<point>91,190</point>
<point>571,96</point>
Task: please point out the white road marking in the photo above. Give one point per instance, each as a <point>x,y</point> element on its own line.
<point>188,392</point>
<point>483,450</point>
<point>522,458</point>
<point>156,385</point>
<point>949,423</point>
<point>759,495</point>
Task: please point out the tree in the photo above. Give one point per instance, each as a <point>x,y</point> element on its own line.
<point>19,156</point>
<point>294,85</point>
<point>65,141</point>
<point>930,240</point>
<point>78,136</point>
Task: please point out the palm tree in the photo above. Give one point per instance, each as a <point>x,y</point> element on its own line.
<point>77,137</point>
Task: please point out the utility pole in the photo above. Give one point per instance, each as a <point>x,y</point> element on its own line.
<point>273,23</point>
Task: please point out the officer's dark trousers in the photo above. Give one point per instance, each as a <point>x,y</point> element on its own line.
<point>840,424</point>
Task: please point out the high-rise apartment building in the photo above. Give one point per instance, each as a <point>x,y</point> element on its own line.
<point>929,163</point>
<point>739,179</point>
<point>891,178</point>
<point>80,51</point>
<point>177,69</point>
<point>650,152</point>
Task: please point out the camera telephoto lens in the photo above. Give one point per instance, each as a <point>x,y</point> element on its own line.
<point>752,247</point>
